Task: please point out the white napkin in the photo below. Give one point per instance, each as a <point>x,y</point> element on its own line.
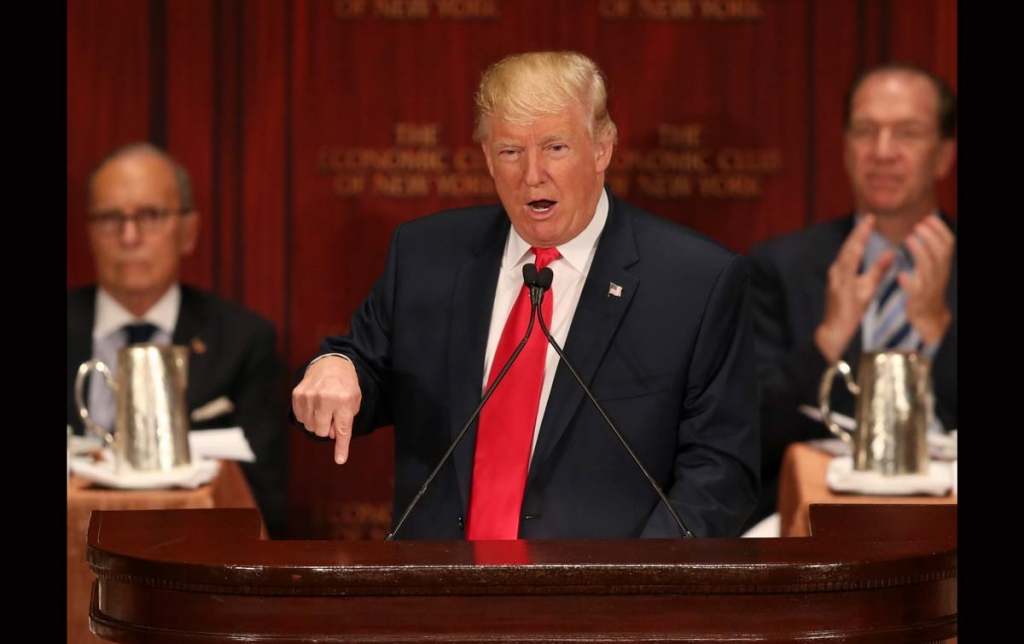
<point>941,447</point>
<point>228,444</point>
<point>841,477</point>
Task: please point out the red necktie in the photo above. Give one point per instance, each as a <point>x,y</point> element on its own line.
<point>507,421</point>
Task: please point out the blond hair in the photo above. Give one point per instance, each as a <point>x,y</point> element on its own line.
<point>523,87</point>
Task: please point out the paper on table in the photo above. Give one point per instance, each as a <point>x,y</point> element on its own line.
<point>199,472</point>
<point>228,444</point>
<point>84,444</point>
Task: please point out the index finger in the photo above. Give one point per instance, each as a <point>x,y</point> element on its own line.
<point>342,438</point>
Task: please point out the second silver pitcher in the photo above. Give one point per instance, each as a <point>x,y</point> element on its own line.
<point>893,410</point>
<point>151,423</point>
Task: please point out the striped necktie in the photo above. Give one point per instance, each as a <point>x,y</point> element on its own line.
<point>892,329</point>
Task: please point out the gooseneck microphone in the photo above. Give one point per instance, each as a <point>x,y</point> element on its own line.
<point>543,283</point>
<point>530,279</point>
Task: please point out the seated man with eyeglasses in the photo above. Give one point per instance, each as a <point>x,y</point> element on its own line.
<point>141,224</point>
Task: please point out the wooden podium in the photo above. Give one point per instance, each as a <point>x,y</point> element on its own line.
<point>868,573</point>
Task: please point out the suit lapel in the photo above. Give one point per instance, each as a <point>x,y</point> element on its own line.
<point>596,319</point>
<point>823,252</point>
<point>472,302</point>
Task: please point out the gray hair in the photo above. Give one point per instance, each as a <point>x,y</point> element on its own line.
<point>181,176</point>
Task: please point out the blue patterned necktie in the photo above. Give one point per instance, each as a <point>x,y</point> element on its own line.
<point>139,333</point>
<point>892,329</point>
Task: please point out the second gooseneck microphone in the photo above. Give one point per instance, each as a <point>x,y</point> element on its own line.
<point>537,288</point>
<point>530,280</point>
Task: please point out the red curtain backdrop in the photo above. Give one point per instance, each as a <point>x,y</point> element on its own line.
<point>312,128</point>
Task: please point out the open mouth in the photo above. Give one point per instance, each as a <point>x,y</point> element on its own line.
<point>541,205</point>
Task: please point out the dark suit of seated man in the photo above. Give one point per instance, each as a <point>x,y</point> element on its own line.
<point>141,224</point>
<point>654,317</point>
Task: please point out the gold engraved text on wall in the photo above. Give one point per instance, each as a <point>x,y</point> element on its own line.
<point>684,166</point>
<point>416,166</point>
<point>668,10</point>
<point>417,10</point>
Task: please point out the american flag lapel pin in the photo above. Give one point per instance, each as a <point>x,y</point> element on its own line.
<point>614,290</point>
<point>198,346</point>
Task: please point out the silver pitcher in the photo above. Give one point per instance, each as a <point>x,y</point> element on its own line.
<point>893,410</point>
<point>151,422</point>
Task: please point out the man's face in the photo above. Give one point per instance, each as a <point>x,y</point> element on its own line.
<point>894,154</point>
<point>549,174</point>
<point>139,260</point>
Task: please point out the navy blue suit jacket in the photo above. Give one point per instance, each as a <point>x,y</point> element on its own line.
<point>671,361</point>
<point>239,361</point>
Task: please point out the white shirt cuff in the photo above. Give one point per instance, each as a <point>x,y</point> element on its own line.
<point>329,354</point>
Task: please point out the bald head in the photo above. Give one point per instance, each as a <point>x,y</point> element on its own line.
<point>180,176</point>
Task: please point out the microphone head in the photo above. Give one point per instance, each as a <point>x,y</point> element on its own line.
<point>545,278</point>
<point>530,274</point>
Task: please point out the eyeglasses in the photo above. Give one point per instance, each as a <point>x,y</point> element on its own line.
<point>902,134</point>
<point>147,219</point>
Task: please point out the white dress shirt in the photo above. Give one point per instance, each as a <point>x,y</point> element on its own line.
<point>570,272</point>
<point>108,337</point>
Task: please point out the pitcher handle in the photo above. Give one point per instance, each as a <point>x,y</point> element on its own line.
<point>825,398</point>
<point>83,411</point>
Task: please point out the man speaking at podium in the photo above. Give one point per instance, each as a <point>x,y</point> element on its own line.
<point>652,316</point>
